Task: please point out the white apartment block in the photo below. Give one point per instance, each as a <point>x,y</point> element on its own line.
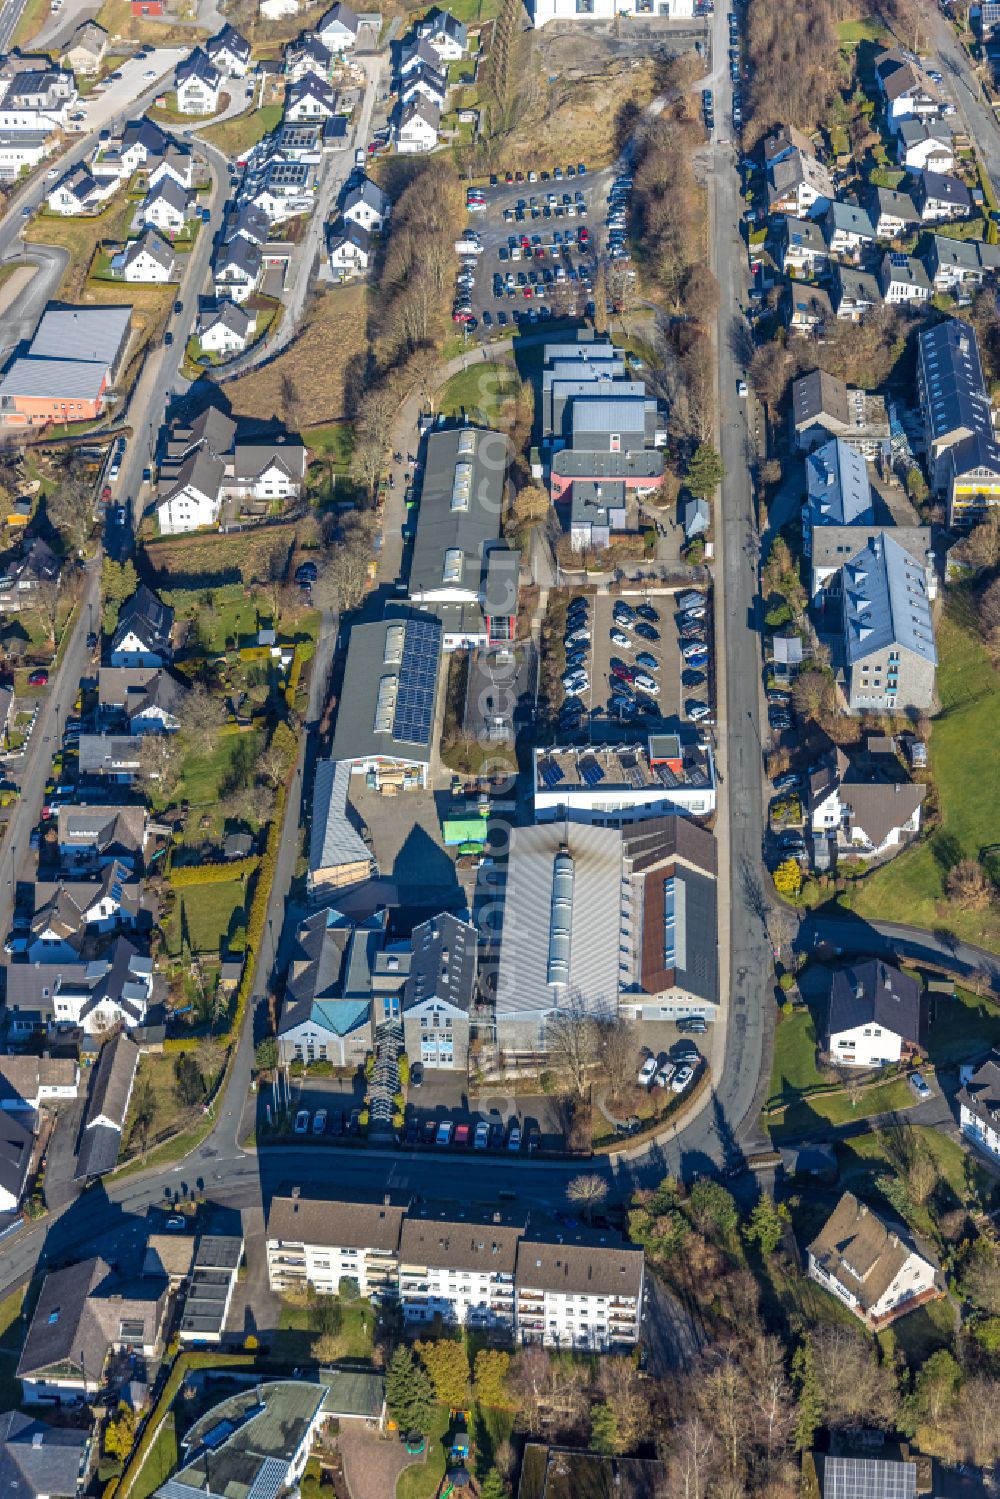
<point>583,1295</point>
<point>979,1107</point>
<point>318,1243</point>
<point>461,1270</point>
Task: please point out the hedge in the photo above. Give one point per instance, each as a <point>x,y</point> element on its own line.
<point>183,1363</point>
<point>213,874</point>
<point>294,673</point>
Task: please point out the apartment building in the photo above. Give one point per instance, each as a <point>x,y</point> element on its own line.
<point>481,1269</point>
<point>583,1293</point>
<point>314,1242</point>
<point>979,1106</point>
<point>963,454</point>
<point>460,1269</point>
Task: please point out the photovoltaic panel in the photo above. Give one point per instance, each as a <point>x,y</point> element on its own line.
<point>551,773</point>
<point>591,773</point>
<point>868,1478</point>
<point>418,674</point>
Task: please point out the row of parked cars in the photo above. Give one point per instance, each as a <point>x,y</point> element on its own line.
<point>633,683</point>
<point>336,1122</point>
<point>674,1071</point>
<point>578,642</point>
<point>484,1134</point>
<point>619,202</point>
<point>694,642</point>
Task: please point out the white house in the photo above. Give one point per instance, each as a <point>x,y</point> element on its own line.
<point>22,148</point>
<point>79,193</point>
<point>150,259</point>
<point>276,10</point>
<point>584,1292</point>
<point>17,1144</point>
<point>902,278</point>
<point>941,197</point>
<point>199,84</point>
<point>142,635</point>
<point>925,144</point>
<point>449,37</point>
<point>419,124</point>
<point>338,30</point>
<point>194,498</point>
<point>875,1271</point>
<point>174,163</point>
<point>424,83</point>
<point>309,98</point>
<point>366,205</point>
<point>236,271</point>
<point>230,52</point>
<point>875,1013</point>
<point>227,330</point>
<point>848,229</point>
<point>869,816</point>
<point>141,140</point>
<point>320,1243</point>
<point>168,207</point>
<point>350,250</point>
<point>979,1107</point>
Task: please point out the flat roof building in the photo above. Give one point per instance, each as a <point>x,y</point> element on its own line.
<point>388,702</point>
<point>71,365</point>
<point>610,785</point>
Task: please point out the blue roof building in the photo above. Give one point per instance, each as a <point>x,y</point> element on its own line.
<point>890,655</point>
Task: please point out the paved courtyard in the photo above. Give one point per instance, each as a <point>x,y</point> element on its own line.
<point>372,1462</point>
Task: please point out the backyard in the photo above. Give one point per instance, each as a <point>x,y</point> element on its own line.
<point>911,888</point>
<point>963,1027</point>
<point>209,918</point>
<point>155,1105</point>
<point>160,1463</point>
<point>299,1327</point>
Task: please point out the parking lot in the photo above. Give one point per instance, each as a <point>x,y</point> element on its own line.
<point>631,673</point>
<point>533,247</point>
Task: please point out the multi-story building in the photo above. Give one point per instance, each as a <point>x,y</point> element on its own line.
<point>459,1268</point>
<point>889,650</point>
<point>962,451</point>
<point>439,990</point>
<point>979,1106</point>
<point>876,1013</point>
<point>877,1272</point>
<point>320,1243</point>
<point>825,407</point>
<point>583,1293</point>
<point>611,785</point>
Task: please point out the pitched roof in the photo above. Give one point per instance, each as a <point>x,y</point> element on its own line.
<point>16,1144</point>
<point>444,963</point>
<point>444,1240</point>
<point>886,603</point>
<point>147,617</point>
<point>349,1225</point>
<point>592,1263</point>
<point>153,244</point>
<point>954,390</point>
<point>868,1478</point>
<point>170,191</point>
<point>858,1250</point>
<point>82,1311</point>
<point>838,487</point>
<point>334,841</point>
<point>103,827</point>
<point>819,394</point>
<point>981,1094</point>
<point>229,40</point>
<point>39,1461</point>
<point>111,1082</point>
<point>878,807</point>
<point>874,993</point>
<point>228,315</point>
<point>340,13</point>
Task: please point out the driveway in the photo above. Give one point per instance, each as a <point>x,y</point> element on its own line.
<point>372,1463</point>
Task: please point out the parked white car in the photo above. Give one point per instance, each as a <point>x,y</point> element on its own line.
<point>681,1079</point>
<point>647,1072</point>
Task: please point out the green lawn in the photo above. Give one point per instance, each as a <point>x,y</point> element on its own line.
<point>964,1026</point>
<point>295,1336</point>
<point>204,776</point>
<point>208,913</point>
<point>245,130</point>
<point>862,1159</point>
<point>13,1331</point>
<point>794,1066</point>
<point>333,442</point>
<point>814,1114</point>
<point>853,33</point>
<point>160,1463</point>
<point>480,391</point>
<point>421,1480</point>
<point>923,1332</point>
<point>911,888</point>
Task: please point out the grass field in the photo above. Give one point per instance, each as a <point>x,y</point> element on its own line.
<point>862,1158</point>
<point>203,777</point>
<point>963,1026</point>
<point>478,392</point>
<point>13,1331</point>
<point>33,18</point>
<point>812,1115</point>
<point>853,33</point>
<point>924,1331</point>
<point>315,364</point>
<point>421,1480</point>
<point>160,1462</point>
<point>295,1335</point>
<point>117,19</point>
<point>333,441</point>
<point>794,1066</point>
<point>169,1114</point>
<point>243,131</point>
<point>212,914</point>
<point>911,888</point>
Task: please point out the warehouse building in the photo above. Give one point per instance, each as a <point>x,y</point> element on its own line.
<point>69,371</point>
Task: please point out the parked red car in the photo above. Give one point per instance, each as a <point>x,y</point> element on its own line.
<point>38,679</point>
<point>463,1134</point>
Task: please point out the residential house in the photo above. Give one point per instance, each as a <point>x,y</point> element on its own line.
<point>91,837</point>
<point>199,84</point>
<point>892,213</point>
<point>831,544</point>
<point>78,193</point>
<point>34,95</point>
<point>855,293</point>
<point>955,265</point>
<point>168,206</point>
<point>838,491</point>
<point>338,30</point>
<point>807,309</point>
<point>176,162</point>
<point>17,1144</point>
<point>309,98</point>
<point>111,1082</point>
<point>142,140</point>
<point>848,229</point>
<point>142,635</point>
<point>439,992</point>
<point>93,996</point>
<point>902,278</point>
<point>567,927</point>
<point>109,758</point>
<point>25,577</point>
<point>799,184</point>
<point>22,150</point>
<point>876,1015</point>
<point>28,1083</point>
<point>419,124</point>
<point>979,1106</point>
<point>366,205</point>
<point>148,699</point>
<point>925,144</point>
<point>889,651</point>
<point>415,55</point>
<point>973,478</point>
<point>824,407</point>
<point>459,1268</point>
<point>624,783</point>
<point>424,82</point>
<point>940,197</point>
<point>86,49</point>
<point>448,37</point>
<point>583,1292</point>
<point>327,1011</point>
<point>230,52</point>
<point>226,330</point>
<point>67,912</point>
<point>867,813</point>
<point>875,1270</point>
<point>38,1461</point>
<point>236,269</point>
<point>307,55</point>
<point>206,463</point>
<point>906,90</point>
<point>191,497</point>
<point>86,1312</point>
<point>248,223</point>
<point>319,1243</point>
<point>801,246</point>
<point>350,250</point>
<point>149,259</point>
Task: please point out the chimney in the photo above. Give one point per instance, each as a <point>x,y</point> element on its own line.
<point>387,1199</point>
<point>296,1193</point>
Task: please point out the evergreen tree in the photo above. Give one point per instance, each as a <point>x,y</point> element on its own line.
<point>604,1434</point>
<point>767,1224</point>
<point>809,1396</point>
<point>493,1486</point>
<point>408,1392</point>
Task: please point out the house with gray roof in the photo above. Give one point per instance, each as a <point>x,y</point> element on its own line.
<point>227,329</point>
<point>798,183</point>
<point>584,913</point>
<point>199,83</point>
<point>327,1012</point>
<point>837,487</point>
<point>230,51</point>
<point>389,699</point>
<point>319,1241</point>
<point>142,634</point>
<point>90,837</point>
<point>963,455</point>
<point>941,197</point>
<point>17,1144</point>
<point>889,650</point>
<point>957,264</point>
<point>824,407</point>
<point>979,1107</point>
<point>338,855</point>
<point>168,206</point>
<point>873,1266</point>
<point>582,1291</point>
<point>902,278</point>
<point>338,29</point>
<point>865,804</point>
<point>149,259</point>
<point>111,1083</point>
<point>445,33</point>
<point>855,293</point>
<point>94,996</point>
<point>848,229</point>
<point>365,204</point>
<point>254,1443</point>
<point>38,1461</point>
<point>458,1268</point>
<point>801,246</point>
<point>892,213</point>
<point>439,992</point>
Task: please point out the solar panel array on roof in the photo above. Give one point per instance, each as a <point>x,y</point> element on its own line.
<point>551,773</point>
<point>898,259</point>
<point>418,674</point>
<point>868,1478</point>
<point>591,773</point>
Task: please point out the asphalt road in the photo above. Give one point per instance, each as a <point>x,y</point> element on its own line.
<point>21,319</point>
<point>963,87</point>
<point>883,938</point>
<point>9,17</point>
